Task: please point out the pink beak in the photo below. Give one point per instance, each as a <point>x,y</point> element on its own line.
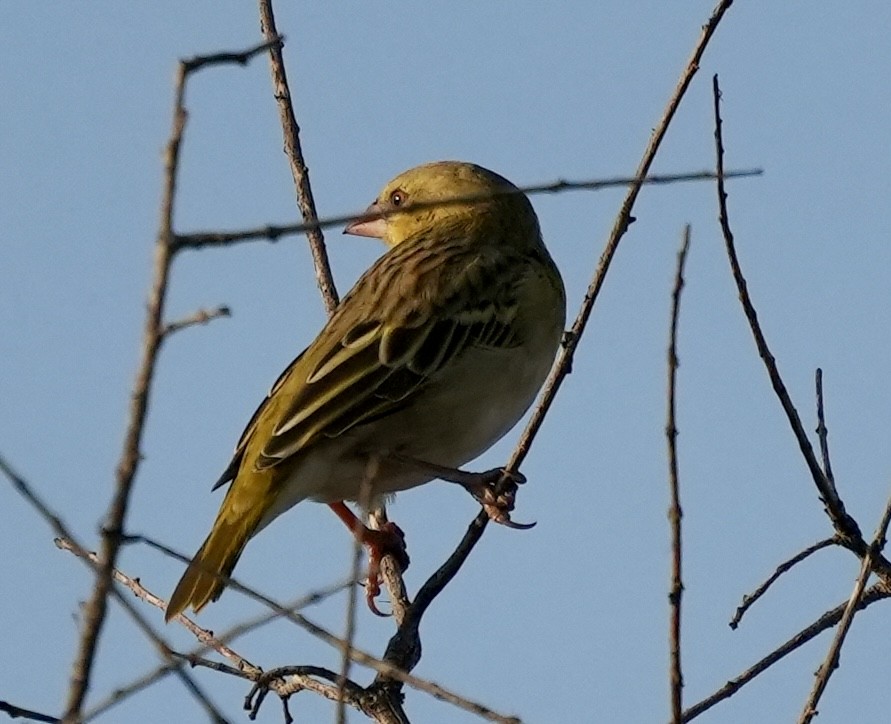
<point>371,224</point>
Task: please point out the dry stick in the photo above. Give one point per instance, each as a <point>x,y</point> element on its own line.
<point>153,336</point>
<point>291,133</point>
<point>876,592</point>
<point>785,566</point>
<point>296,679</point>
<point>846,527</point>
<point>202,316</point>
<point>355,565</point>
<point>623,220</point>
<point>830,663</point>
<point>135,585</point>
<point>822,433</point>
<point>218,643</point>
<point>55,522</point>
<point>822,430</point>
<point>272,233</point>
<point>676,679</point>
<point>17,712</point>
<point>243,668</point>
<point>382,667</point>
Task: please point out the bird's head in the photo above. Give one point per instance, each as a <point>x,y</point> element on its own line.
<point>446,195</point>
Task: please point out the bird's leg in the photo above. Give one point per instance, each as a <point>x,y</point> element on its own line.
<point>388,541</point>
<point>494,489</point>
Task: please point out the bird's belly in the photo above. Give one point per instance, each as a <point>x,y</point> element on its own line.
<point>446,426</point>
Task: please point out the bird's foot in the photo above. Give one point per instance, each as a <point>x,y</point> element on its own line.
<point>496,491</point>
<point>388,541</point>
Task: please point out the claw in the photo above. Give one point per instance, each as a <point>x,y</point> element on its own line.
<point>508,523</point>
<point>496,491</point>
<point>388,541</point>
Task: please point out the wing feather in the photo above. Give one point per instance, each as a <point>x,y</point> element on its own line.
<point>376,355</point>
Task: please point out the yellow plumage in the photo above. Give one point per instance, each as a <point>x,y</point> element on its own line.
<point>433,356</point>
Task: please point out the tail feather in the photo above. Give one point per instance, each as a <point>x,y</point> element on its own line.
<point>206,576</point>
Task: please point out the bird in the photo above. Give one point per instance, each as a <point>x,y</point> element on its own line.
<point>435,354</point>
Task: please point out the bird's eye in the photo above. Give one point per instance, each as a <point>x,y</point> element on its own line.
<point>397,197</point>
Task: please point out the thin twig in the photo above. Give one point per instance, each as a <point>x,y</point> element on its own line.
<point>823,431</point>
<point>623,220</point>
<point>404,648</point>
<point>17,712</point>
<point>785,566</point>
<point>876,592</point>
<point>359,656</point>
<point>291,133</point>
<point>846,527</point>
<point>163,648</point>
<point>228,58</point>
<point>830,663</point>
<point>272,233</point>
<point>349,634</point>
<point>676,592</point>
<point>202,316</point>
<point>296,678</point>
<point>96,608</point>
<point>135,585</point>
<point>210,641</point>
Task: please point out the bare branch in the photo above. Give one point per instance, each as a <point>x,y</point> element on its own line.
<point>830,663</point>
<point>785,566</point>
<point>676,679</point>
<point>219,643</point>
<point>876,592</point>
<point>203,635</point>
<point>846,527</point>
<point>823,431</point>
<point>202,316</point>
<point>382,667</point>
<point>17,712</point>
<point>293,679</point>
<point>291,133</point>
<point>623,220</point>
<point>352,601</point>
<point>228,58</point>
<point>272,233</point>
<point>159,643</point>
<point>96,607</point>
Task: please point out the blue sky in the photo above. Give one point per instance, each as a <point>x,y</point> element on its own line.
<point>564,623</point>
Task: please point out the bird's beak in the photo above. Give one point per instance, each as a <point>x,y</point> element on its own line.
<point>371,224</point>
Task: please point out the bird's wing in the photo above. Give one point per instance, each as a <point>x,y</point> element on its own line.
<point>241,446</point>
<point>405,320</point>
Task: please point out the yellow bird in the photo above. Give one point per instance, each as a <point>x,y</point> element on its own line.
<point>432,357</point>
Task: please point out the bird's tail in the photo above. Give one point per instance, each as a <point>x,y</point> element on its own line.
<point>205,578</point>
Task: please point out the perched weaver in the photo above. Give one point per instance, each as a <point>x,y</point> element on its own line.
<point>434,355</point>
